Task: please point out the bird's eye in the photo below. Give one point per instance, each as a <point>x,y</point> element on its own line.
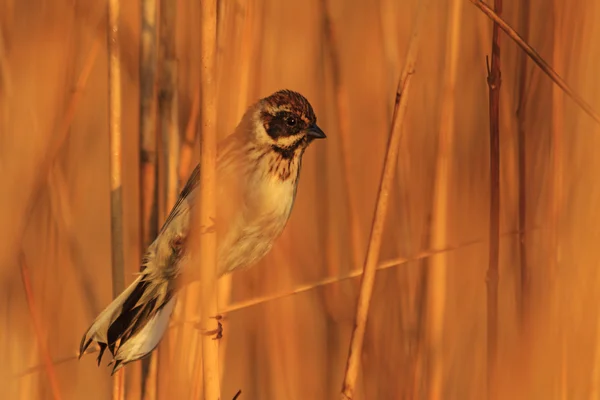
<point>291,121</point>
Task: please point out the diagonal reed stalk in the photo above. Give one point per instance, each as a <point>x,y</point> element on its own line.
<point>441,191</point>
<point>244,304</point>
<point>540,62</point>
<point>39,331</point>
<point>204,220</point>
<point>116,190</point>
<point>494,82</point>
<point>389,168</point>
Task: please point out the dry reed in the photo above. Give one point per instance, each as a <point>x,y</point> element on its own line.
<point>116,190</point>
<point>167,102</point>
<point>255,361</point>
<point>494,83</point>
<point>440,218</point>
<point>389,168</point>
<point>524,295</point>
<point>256,301</point>
<point>544,66</point>
<point>207,206</point>
<point>148,161</point>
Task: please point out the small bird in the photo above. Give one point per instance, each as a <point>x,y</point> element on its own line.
<point>257,177</point>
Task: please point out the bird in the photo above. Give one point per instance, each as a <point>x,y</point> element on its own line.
<point>257,172</point>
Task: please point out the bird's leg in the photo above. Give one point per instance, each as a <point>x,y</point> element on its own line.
<point>218,332</point>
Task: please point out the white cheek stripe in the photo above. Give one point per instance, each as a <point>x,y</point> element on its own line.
<point>286,141</point>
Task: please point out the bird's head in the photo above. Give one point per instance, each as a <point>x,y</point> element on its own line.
<point>286,122</point>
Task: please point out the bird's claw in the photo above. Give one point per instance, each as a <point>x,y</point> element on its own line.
<point>218,332</point>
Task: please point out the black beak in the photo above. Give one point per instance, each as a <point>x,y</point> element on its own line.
<point>314,132</point>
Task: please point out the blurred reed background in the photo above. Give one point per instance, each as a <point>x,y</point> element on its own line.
<point>426,335</point>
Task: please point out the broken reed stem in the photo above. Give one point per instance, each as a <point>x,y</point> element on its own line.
<point>547,69</point>
<point>243,304</point>
<point>343,124</point>
<point>439,230</point>
<point>205,219</point>
<point>115,140</point>
<point>389,168</point>
<point>494,81</point>
<point>148,159</point>
<point>524,300</point>
<point>39,331</point>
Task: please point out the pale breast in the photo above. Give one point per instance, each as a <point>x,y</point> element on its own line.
<point>259,220</point>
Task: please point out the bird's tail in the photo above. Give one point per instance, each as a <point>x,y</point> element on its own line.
<point>133,324</point>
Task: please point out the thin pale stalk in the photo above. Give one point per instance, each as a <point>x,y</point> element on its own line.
<point>343,124</point>
<point>540,62</point>
<point>494,82</point>
<point>115,140</point>
<point>353,274</point>
<point>204,220</point>
<point>524,297</point>
<point>148,155</point>
<point>39,331</point>
<point>244,304</point>
<point>370,266</point>
<point>439,230</point>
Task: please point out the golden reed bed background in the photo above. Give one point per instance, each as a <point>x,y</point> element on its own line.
<point>426,333</point>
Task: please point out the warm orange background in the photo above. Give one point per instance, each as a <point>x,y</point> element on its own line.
<point>427,315</point>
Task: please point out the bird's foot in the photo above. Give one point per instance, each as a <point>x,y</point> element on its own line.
<point>218,332</point>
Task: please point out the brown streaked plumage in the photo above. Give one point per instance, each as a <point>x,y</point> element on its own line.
<point>257,174</point>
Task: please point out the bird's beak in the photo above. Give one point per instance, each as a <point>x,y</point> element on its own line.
<point>314,132</point>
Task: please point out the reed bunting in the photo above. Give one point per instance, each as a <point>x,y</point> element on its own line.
<point>257,177</point>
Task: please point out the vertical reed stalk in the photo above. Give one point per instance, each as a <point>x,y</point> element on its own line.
<point>148,158</point>
<point>494,82</point>
<point>535,57</point>
<point>244,63</point>
<point>205,219</point>
<point>168,121</point>
<point>343,124</point>
<point>389,168</point>
<point>439,230</point>
<point>116,191</point>
<point>525,273</point>
<point>167,103</point>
